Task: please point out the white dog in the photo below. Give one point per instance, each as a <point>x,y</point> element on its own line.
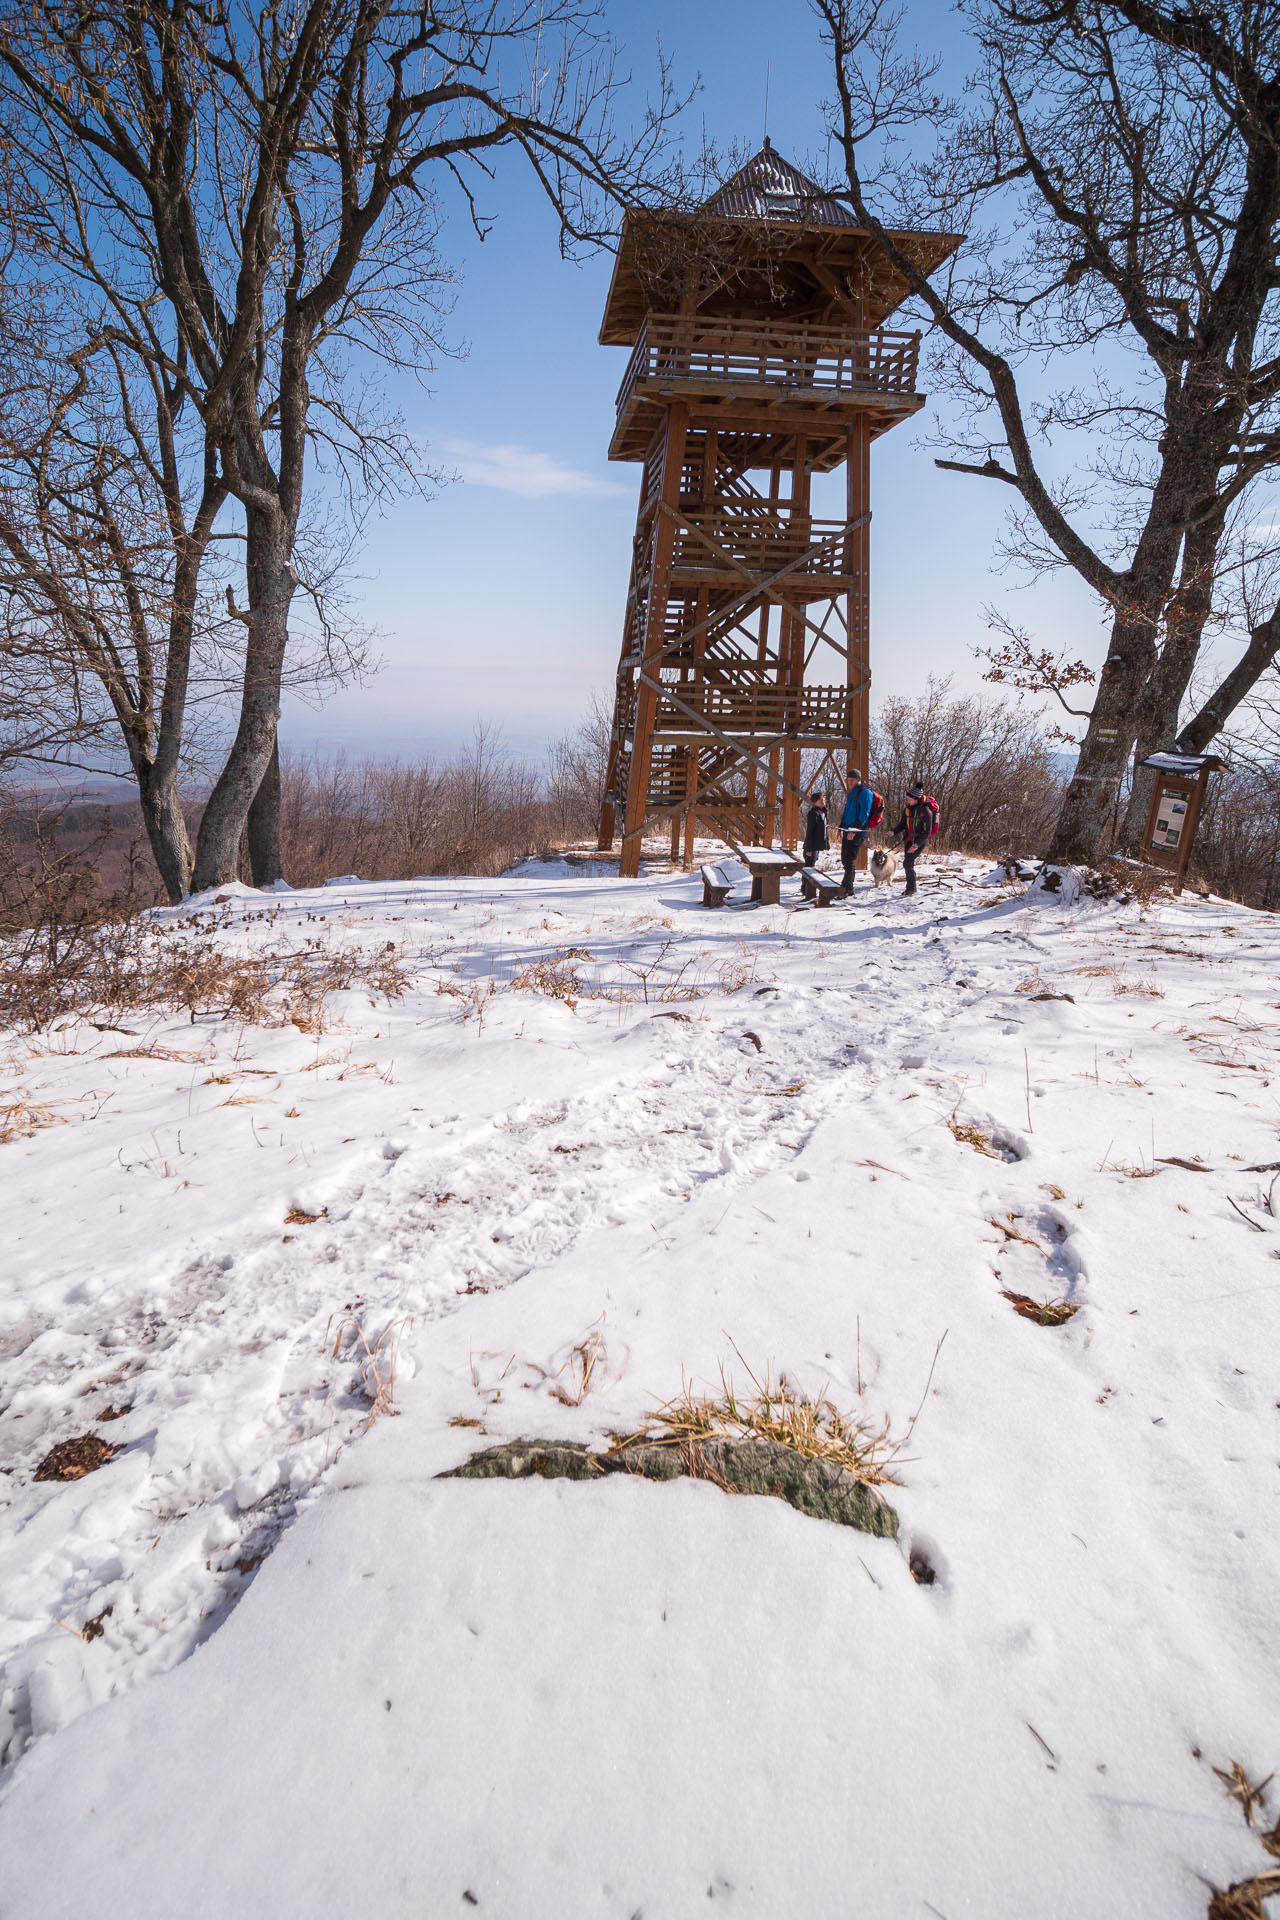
<point>883,866</point>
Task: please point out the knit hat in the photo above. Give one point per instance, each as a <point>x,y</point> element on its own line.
<point>915,791</point>
<point>854,773</point>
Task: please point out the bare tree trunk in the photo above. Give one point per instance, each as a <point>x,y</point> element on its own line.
<point>1165,691</point>
<point>264,825</point>
<point>166,829</point>
<point>271,583</point>
<point>1108,740</point>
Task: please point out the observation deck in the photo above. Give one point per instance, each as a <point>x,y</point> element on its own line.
<point>763,377</point>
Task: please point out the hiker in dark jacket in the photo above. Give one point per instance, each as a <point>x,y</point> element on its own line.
<point>855,823</point>
<point>918,826</point>
<point>815,829</point>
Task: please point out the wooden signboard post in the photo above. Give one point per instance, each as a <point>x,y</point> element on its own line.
<point>1176,799</point>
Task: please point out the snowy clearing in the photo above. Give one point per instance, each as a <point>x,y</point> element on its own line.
<point>264,1662</point>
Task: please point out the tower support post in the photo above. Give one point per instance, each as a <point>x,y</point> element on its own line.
<point>646,707</point>
<point>858,562</point>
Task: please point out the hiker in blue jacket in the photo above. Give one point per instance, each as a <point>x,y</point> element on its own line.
<point>854,823</point>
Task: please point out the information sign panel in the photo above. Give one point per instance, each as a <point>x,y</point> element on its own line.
<point>1176,799</point>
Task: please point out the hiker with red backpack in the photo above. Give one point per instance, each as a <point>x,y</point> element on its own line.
<point>863,810</point>
<point>918,826</point>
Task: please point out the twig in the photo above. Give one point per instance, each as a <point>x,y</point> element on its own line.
<point>1246,1217</point>
<point>1240,1787</point>
<point>925,1395</point>
<point>1044,1743</point>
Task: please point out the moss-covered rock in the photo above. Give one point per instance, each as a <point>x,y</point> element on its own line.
<point>748,1465</point>
<point>522,1459</point>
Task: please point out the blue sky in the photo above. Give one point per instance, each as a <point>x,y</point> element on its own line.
<point>503,596</point>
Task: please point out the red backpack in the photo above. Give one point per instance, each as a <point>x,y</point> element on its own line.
<point>876,814</point>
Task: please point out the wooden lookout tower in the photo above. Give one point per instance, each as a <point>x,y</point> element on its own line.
<point>759,358</point>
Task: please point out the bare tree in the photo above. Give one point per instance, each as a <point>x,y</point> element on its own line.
<point>1119,176</point>
<point>578,770</point>
<point>271,168</point>
<point>103,539</point>
<point>988,762</point>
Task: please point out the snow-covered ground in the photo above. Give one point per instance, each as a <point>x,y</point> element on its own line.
<point>318,1680</point>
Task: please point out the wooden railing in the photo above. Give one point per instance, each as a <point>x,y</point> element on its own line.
<point>769,353</point>
<point>760,540</point>
<point>762,711</point>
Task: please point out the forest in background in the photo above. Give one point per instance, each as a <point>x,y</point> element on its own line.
<point>997,771</point>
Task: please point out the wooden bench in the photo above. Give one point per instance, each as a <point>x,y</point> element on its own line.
<point>821,888</point>
<point>716,886</point>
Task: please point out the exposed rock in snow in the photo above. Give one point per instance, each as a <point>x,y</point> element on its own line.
<point>750,1466</point>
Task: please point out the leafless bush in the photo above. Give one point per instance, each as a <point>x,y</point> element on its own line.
<point>67,861</point>
<point>989,764</point>
<point>1237,851</point>
<point>111,967</point>
<point>478,812</point>
<point>578,772</point>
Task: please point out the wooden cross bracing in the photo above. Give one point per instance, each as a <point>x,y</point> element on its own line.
<point>735,592</point>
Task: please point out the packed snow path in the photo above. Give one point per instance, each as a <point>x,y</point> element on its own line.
<point>606,1119</point>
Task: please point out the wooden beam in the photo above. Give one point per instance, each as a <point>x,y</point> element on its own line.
<point>646,695</point>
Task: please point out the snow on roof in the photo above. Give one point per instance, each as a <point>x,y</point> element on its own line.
<point>1180,762</point>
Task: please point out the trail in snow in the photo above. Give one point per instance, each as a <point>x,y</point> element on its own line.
<point>238,1354</point>
<point>870,1122</point>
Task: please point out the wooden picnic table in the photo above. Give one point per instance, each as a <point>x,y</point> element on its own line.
<point>767,866</point>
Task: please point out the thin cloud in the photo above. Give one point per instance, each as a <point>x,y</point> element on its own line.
<point>522,470</point>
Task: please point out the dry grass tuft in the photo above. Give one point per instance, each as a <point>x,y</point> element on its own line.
<point>378,1364</point>
<point>1035,984</point>
<point>975,1137</point>
<point>1243,1899</point>
<point>559,979</point>
<point>1238,1786</point>
<point>815,1429</point>
<point>19,1119</point>
<point>156,1052</point>
<point>583,1360</point>
<point>297,1218</point>
<point>1045,1313</point>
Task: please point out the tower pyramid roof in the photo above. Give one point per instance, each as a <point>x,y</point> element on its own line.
<point>770,188</point>
<point>769,244</point>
